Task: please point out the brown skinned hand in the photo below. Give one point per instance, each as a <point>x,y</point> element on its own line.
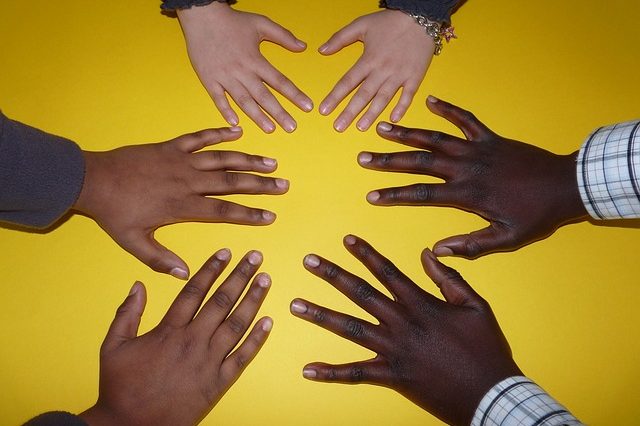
<point>525,193</point>
<point>175,374</point>
<point>133,190</point>
<point>442,355</point>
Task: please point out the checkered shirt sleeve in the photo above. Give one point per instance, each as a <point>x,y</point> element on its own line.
<point>608,172</point>
<point>517,401</point>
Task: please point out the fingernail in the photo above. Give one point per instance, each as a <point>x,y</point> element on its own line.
<point>268,216</point>
<point>365,157</point>
<point>267,324</point>
<point>255,258</point>
<point>223,255</point>
<point>263,280</point>
<point>350,240</point>
<point>233,121</point>
<point>135,288</point>
<point>307,105</point>
<point>309,373</point>
<point>301,43</point>
<point>432,99</point>
<point>179,273</point>
<point>311,260</point>
<point>235,129</point>
<point>270,162</point>
<point>323,48</point>
<point>395,117</point>
<point>373,196</point>
<point>363,124</point>
<point>340,125</point>
<point>298,307</point>
<point>443,251</point>
<point>269,127</point>
<point>324,109</point>
<point>383,126</point>
<point>282,183</point>
<point>289,125</point>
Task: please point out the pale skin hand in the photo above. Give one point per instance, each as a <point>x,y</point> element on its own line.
<point>176,373</point>
<point>397,53</point>
<point>224,48</point>
<point>444,355</point>
<point>525,193</point>
<point>133,190</point>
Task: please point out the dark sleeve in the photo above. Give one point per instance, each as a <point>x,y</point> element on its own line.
<point>56,418</point>
<point>435,10</point>
<point>41,175</point>
<point>172,5</point>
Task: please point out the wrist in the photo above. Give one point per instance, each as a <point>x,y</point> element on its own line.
<point>215,8</point>
<point>572,207</point>
<point>93,187</point>
<point>98,416</point>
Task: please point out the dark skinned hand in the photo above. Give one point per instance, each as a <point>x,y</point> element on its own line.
<point>442,355</point>
<point>175,374</point>
<point>525,193</point>
<point>133,190</point>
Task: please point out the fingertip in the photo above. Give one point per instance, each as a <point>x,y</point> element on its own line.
<point>323,49</point>
<point>373,197</point>
<point>137,286</point>
<point>236,129</point>
<point>311,261</point>
<point>181,273</point>
<point>442,251</point>
<point>365,158</point>
<point>267,324</point>
<point>384,127</point>
<point>432,100</point>
<point>309,372</point>
<point>297,306</point>
<point>268,217</point>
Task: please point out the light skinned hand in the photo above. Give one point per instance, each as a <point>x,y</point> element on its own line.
<point>133,190</point>
<point>397,53</point>
<point>442,355</point>
<point>224,48</point>
<point>176,373</point>
<point>524,192</point>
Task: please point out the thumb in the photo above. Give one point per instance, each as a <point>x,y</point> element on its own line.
<point>278,34</point>
<point>475,244</point>
<point>343,38</point>
<point>473,129</point>
<point>155,255</point>
<point>125,325</point>
<point>452,286</point>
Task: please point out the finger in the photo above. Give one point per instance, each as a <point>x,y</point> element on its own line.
<point>235,363</point>
<point>188,301</point>
<point>284,86</point>
<point>453,287</point>
<point>400,286</point>
<point>198,140</point>
<point>472,128</point>
<point>421,194</point>
<point>224,298</point>
<point>124,326</point>
<point>343,87</point>
<point>153,254</point>
<point>351,328</point>
<point>380,101</point>
<point>415,162</point>
<point>228,334</point>
<point>226,183</point>
<point>276,33</point>
<point>374,372</point>
<point>358,102</point>
<point>249,106</point>
<point>423,139</point>
<point>408,92</point>
<point>203,209</point>
<point>355,288</point>
<point>476,244</point>
<point>270,104</point>
<point>222,103</point>
<point>343,38</point>
<point>231,160</point>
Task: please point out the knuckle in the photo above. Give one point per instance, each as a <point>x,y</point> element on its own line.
<point>384,159</point>
<point>423,159</point>
<point>241,361</point>
<point>364,291</point>
<point>436,137</point>
<point>472,247</point>
<point>222,299</point>
<point>356,374</point>
<point>332,374</point>
<point>354,328</point>
<point>319,316</point>
<point>452,275</point>
<point>390,271</point>
<point>222,209</point>
<point>468,116</point>
<point>236,325</point>
<point>215,156</point>
<point>231,179</point>
<point>244,101</point>
<point>404,134</point>
<point>422,193</point>
<point>192,291</point>
<point>331,271</point>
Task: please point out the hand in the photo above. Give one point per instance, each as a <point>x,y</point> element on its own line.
<point>524,192</point>
<point>133,190</point>
<point>397,53</point>
<point>175,374</point>
<point>442,355</point>
<point>224,48</point>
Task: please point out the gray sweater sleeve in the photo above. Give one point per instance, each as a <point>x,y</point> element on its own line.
<point>56,418</point>
<point>173,5</point>
<point>436,10</point>
<point>41,175</point>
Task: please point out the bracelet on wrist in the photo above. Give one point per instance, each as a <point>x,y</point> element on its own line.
<point>436,30</point>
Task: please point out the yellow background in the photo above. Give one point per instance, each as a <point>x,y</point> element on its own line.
<point>112,73</point>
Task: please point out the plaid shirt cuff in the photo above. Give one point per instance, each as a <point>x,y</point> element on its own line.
<point>517,401</point>
<point>608,172</point>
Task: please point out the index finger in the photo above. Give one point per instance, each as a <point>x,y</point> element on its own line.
<point>196,141</point>
<point>473,129</point>
<point>188,301</point>
<point>430,140</point>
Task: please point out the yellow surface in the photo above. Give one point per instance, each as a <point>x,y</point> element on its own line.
<point>116,73</point>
